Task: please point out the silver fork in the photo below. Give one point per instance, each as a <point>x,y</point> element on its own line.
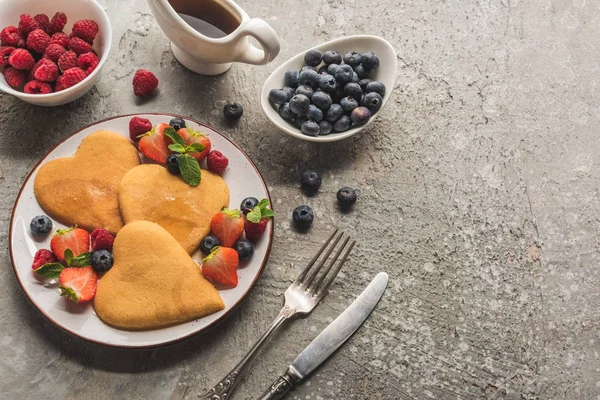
<point>300,298</point>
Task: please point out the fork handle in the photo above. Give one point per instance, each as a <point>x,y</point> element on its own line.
<point>223,389</point>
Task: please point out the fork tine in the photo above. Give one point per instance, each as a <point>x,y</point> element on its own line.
<point>314,287</point>
<point>322,289</point>
<point>311,262</point>
<point>316,270</point>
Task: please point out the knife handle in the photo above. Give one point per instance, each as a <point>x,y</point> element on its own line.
<point>281,386</point>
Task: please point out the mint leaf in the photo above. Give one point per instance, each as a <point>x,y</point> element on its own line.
<point>82,260</point>
<point>195,148</point>
<point>68,256</point>
<point>190,169</point>
<point>260,211</point>
<point>254,215</point>
<point>50,270</point>
<point>177,148</point>
<point>175,137</point>
<point>267,213</point>
<point>68,293</point>
<point>263,203</point>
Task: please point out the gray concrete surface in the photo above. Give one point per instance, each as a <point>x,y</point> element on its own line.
<point>478,194</point>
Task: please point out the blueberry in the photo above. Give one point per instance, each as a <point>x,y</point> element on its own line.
<point>173,163</point>
<point>305,90</point>
<point>310,78</point>
<point>277,96</point>
<point>348,103</point>
<point>310,128</point>
<point>299,104</point>
<point>322,70</point>
<point>289,91</point>
<point>370,61</point>
<point>321,100</point>
<point>325,127</point>
<point>102,260</point>
<point>355,77</point>
<point>353,90</point>
<point>372,101</point>
<point>344,74</point>
<point>40,225</point>
<point>327,83</point>
<point>303,217</point>
<point>207,244</point>
<point>244,248</point>
<point>332,69</point>
<point>364,82</point>
<point>308,68</point>
<point>285,112</point>
<point>177,123</point>
<point>299,120</point>
<point>310,181</point>
<point>313,57</point>
<point>233,111</point>
<point>338,94</point>
<point>314,113</point>
<point>342,124</point>
<point>360,115</point>
<point>290,78</point>
<point>376,87</point>
<point>334,113</point>
<point>248,204</point>
<point>352,58</point>
<point>361,71</point>
<point>346,197</point>
<point>332,57</point>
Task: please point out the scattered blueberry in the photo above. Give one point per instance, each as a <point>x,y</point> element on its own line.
<point>353,90</point>
<point>352,58</point>
<point>332,57</point>
<point>327,83</point>
<point>102,260</point>
<point>310,181</point>
<point>233,111</point>
<point>364,82</point>
<point>177,123</point>
<point>361,71</point>
<point>207,244</point>
<point>348,103</point>
<point>360,115</point>
<point>332,69</point>
<point>376,87</point>
<point>305,90</point>
<point>310,128</point>
<point>299,104</point>
<point>285,112</point>
<point>346,197</point>
<point>40,225</point>
<point>314,113</point>
<point>277,96</point>
<point>370,60</point>
<point>325,127</point>
<point>313,57</point>
<point>344,74</point>
<point>334,113</point>
<point>173,163</point>
<point>372,101</point>
<point>310,78</point>
<point>289,91</point>
<point>321,100</point>
<point>342,124</point>
<point>303,217</point>
<point>244,248</point>
<point>248,204</point>
<point>290,78</point>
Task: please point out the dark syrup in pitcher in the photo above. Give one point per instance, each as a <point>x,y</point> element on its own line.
<point>210,18</point>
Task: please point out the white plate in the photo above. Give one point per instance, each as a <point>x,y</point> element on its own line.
<point>243,179</point>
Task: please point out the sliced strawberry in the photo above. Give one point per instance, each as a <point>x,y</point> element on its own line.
<point>78,284</point>
<point>221,265</point>
<point>191,136</point>
<point>75,239</point>
<point>154,144</point>
<point>228,226</point>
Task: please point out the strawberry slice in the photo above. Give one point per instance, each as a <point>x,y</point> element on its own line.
<point>154,144</point>
<point>221,265</point>
<point>228,226</point>
<point>75,239</point>
<point>191,136</point>
<point>78,284</point>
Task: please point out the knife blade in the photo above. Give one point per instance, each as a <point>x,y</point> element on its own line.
<point>330,339</point>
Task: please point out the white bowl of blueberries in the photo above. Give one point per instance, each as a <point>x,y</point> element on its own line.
<point>332,91</point>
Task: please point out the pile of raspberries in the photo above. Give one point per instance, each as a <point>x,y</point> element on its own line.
<point>39,58</point>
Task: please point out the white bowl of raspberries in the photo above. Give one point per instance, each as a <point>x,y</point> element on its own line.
<point>51,52</point>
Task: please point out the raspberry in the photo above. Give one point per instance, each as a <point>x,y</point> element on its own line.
<point>43,21</point>
<point>9,36</point>
<point>72,77</point>
<point>37,87</point>
<point>67,61</point>
<point>21,59</point>
<point>27,25</point>
<point>79,46</point>
<point>46,71</point>
<point>87,62</point>
<point>60,38</point>
<point>14,77</point>
<point>38,40</point>
<point>54,51</point>
<point>138,126</point>
<point>85,29</point>
<point>59,85</point>
<point>144,82</point>
<point>57,23</point>
<point>42,257</point>
<point>102,240</point>
<point>5,52</point>
<point>216,162</point>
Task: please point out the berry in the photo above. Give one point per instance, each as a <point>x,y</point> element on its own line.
<point>233,111</point>
<point>370,60</point>
<point>59,85</point>
<point>79,46</point>
<point>137,127</point>
<point>299,120</point>
<point>325,128</point>
<point>286,113</point>
<point>289,92</point>
<point>313,57</point>
<point>244,248</point>
<point>43,21</point>
<point>372,101</point>
<point>177,123</point>
<point>277,96</point>
<point>60,38</point>
<point>72,77</point>
<point>342,124</point>
<point>303,217</point>
<point>322,69</point>
<point>217,163</point>
<point>85,29</point>
<point>57,23</point>
<point>46,70</point>
<point>144,83</point>
<point>228,226</point>
<point>377,87</point>
<point>54,51</point>
<point>346,197</point>
<point>310,181</point>
<point>37,87</point>
<point>344,74</point>
<point>305,90</point>
<point>363,83</point>
<point>355,77</point>
<point>75,239</point>
<point>27,25</point>
<point>310,78</point>
<point>360,115</point>
<point>15,78</point>
<point>208,243</point>
<point>332,57</point>
<point>310,128</point>
<point>332,69</point>
<point>307,68</point>
<point>314,113</point>
<point>334,113</point>
<point>352,58</point>
<point>248,204</point>
<point>290,78</point>
<point>38,40</point>
<point>9,36</point>
<point>102,260</point>
<point>348,103</point>
<point>40,225</point>
<point>154,144</point>
<point>321,100</point>
<point>299,104</point>
<point>102,239</point>
<point>221,265</point>
<point>21,59</point>
<point>87,62</point>
<point>327,83</point>
<point>191,136</point>
<point>42,257</point>
<point>173,163</point>
<point>353,90</point>
<point>361,71</point>
<point>78,284</point>
<point>257,219</point>
<point>67,60</point>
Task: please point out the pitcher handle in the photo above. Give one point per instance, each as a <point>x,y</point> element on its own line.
<point>266,36</point>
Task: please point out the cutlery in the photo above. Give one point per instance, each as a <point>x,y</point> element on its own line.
<point>300,298</point>
<point>330,339</point>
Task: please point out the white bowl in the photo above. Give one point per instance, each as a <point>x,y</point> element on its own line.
<point>386,73</point>
<point>10,10</point>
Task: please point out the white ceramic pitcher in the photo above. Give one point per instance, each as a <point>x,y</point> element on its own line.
<point>214,55</point>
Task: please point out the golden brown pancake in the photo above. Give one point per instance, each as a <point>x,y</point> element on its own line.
<point>149,192</point>
<point>153,283</point>
<point>82,190</point>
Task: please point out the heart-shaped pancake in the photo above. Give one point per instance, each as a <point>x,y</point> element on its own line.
<point>153,283</point>
<point>82,190</point>
<point>149,192</point>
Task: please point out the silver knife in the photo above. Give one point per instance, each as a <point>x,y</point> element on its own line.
<point>328,341</point>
